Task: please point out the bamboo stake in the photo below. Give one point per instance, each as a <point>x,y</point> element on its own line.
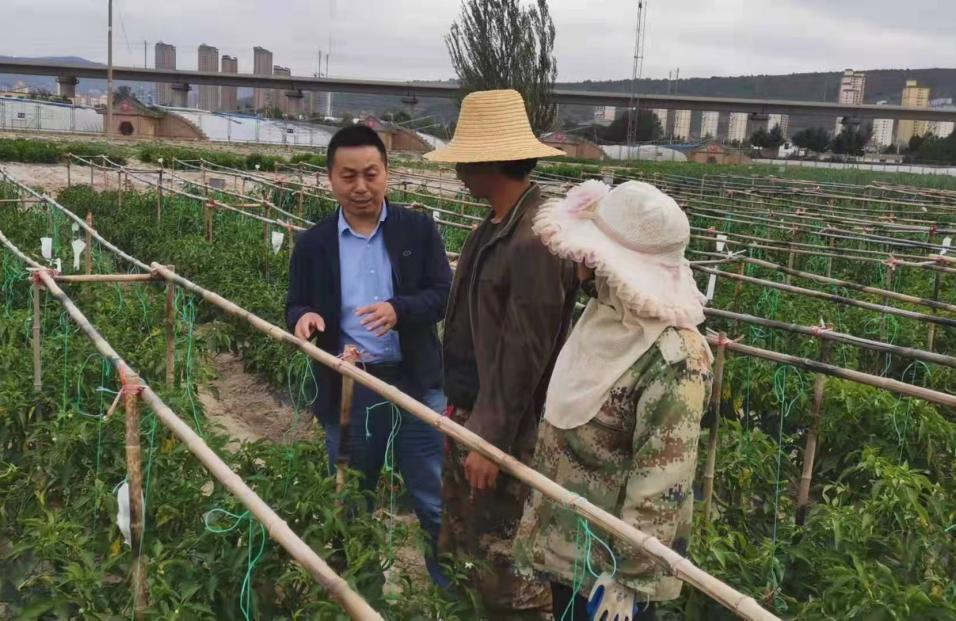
<point>676,565</point>
<point>170,331</point>
<point>810,451</point>
<point>159,196</point>
<point>715,399</point>
<point>119,190</point>
<point>91,175</point>
<point>88,258</point>
<point>301,200</point>
<point>278,530</point>
<point>37,317</point>
<point>134,475</point>
<point>343,457</point>
<point>69,178</point>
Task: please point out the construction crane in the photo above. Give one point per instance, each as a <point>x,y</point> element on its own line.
<point>636,71</point>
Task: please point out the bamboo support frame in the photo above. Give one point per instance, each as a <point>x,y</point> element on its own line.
<point>115,278</point>
<point>676,565</point>
<point>37,317</point>
<point>836,299</point>
<point>170,329</point>
<point>810,450</point>
<point>88,238</point>
<point>839,337</point>
<point>343,456</point>
<point>278,530</point>
<point>134,476</point>
<point>715,401</point>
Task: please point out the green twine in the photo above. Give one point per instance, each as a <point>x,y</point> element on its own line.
<point>252,559</point>
<point>780,392</point>
<point>65,326</point>
<point>105,368</point>
<point>301,398</point>
<point>188,315</point>
<point>13,273</point>
<point>389,467</point>
<point>582,560</point>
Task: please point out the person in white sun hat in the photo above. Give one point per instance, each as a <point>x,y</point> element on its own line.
<point>623,409</point>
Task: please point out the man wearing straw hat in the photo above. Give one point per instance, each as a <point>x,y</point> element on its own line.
<point>509,309</point>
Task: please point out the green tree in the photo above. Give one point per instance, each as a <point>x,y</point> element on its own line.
<point>498,44</point>
<point>648,128</point>
<point>812,138</point>
<point>767,140</point>
<point>852,139</point>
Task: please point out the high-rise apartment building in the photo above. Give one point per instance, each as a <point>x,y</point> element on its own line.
<point>681,124</point>
<point>708,124</point>
<point>165,58</point>
<point>228,101</point>
<point>779,120</point>
<point>737,127</point>
<point>852,85</point>
<point>913,96</point>
<point>882,130</point>
<point>942,129</point>
<point>208,93</point>
<point>262,65</point>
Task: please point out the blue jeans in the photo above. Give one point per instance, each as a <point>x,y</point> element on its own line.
<point>418,451</point>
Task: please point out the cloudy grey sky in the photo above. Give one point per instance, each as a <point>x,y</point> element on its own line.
<point>403,39</point>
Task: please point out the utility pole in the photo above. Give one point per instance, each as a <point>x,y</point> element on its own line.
<point>636,70</point>
<point>109,73</point>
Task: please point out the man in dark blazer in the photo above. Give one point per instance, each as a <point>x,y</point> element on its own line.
<point>375,276</point>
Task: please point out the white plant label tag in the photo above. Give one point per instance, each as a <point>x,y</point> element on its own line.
<point>277,238</point>
<point>122,514</point>
<point>78,246</point>
<point>76,227</point>
<point>712,281</point>
<point>46,247</point>
<point>59,264</point>
<point>947,242</point>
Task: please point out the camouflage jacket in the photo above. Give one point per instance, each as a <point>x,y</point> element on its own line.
<point>636,459</point>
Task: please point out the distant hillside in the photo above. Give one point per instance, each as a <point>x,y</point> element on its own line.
<point>880,84</point>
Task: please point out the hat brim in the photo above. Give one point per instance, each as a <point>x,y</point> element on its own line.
<point>492,152</point>
<point>648,285</point>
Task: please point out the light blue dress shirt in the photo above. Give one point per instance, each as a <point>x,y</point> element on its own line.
<point>366,274</point>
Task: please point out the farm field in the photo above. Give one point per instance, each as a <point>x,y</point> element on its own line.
<point>826,486</point>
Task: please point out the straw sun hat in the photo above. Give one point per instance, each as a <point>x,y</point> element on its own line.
<point>492,127</point>
<point>634,236</point>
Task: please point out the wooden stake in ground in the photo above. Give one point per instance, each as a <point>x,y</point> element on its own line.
<point>134,476</point>
<point>69,177</point>
<point>37,371</point>
<point>715,399</point>
<point>170,331</point>
<point>88,259</point>
<point>810,451</point>
<point>351,356</point>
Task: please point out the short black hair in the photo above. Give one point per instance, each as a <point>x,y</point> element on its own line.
<point>354,136</point>
<point>517,169</point>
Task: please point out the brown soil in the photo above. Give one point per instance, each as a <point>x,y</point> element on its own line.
<point>246,407</point>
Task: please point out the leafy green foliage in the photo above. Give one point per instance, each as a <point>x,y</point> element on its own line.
<point>46,152</point>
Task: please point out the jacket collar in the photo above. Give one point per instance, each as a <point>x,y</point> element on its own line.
<point>514,216</point>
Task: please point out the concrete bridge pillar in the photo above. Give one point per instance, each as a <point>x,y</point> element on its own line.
<point>180,95</point>
<point>66,86</point>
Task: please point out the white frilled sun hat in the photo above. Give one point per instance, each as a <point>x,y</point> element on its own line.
<point>492,126</point>
<point>634,236</point>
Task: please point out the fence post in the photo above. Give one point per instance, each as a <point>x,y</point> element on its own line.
<point>37,370</point>
<point>131,393</point>
<point>810,451</point>
<point>89,243</point>
<point>715,399</point>
<point>170,330</point>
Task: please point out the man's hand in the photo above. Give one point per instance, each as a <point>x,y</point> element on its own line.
<point>308,325</point>
<point>481,472</point>
<point>378,318</point>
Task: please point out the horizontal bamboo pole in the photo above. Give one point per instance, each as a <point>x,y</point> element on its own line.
<point>743,605</point>
<point>836,299</point>
<point>840,337</point>
<point>278,530</point>
<point>887,293</point>
<point>105,277</point>
<point>891,385</point>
